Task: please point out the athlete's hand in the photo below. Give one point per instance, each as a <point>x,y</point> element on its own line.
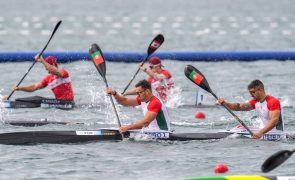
<point>141,67</point>
<point>220,101</point>
<point>123,129</point>
<point>39,58</point>
<point>109,91</point>
<point>16,88</point>
<point>257,135</point>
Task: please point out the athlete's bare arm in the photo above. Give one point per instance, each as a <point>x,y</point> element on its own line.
<point>274,117</point>
<point>122,99</point>
<point>29,88</point>
<point>235,106</point>
<point>147,119</point>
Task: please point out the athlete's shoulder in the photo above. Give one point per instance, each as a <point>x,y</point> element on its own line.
<point>46,79</point>
<point>155,99</point>
<point>252,102</point>
<point>271,98</point>
<point>155,104</point>
<point>64,72</point>
<point>273,103</point>
<point>166,73</point>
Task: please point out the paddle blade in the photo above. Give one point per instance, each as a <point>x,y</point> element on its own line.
<point>155,44</point>
<point>197,77</point>
<point>275,160</point>
<point>53,32</point>
<point>98,59</point>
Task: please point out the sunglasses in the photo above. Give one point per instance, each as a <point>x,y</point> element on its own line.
<point>140,92</point>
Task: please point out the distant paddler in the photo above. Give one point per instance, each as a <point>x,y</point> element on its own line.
<point>156,116</point>
<point>267,106</point>
<point>57,79</point>
<point>159,78</point>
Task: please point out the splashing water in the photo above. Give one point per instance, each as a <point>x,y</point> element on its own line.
<point>3,111</point>
<point>175,98</point>
<point>285,102</point>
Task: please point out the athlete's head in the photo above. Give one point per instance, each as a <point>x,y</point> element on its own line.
<point>255,84</point>
<point>155,60</point>
<point>144,90</point>
<point>256,89</point>
<point>51,60</point>
<point>155,63</point>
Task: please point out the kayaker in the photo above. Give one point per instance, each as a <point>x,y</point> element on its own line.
<point>267,106</point>
<point>159,78</point>
<point>57,79</point>
<point>156,116</point>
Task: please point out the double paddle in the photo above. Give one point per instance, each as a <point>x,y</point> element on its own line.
<point>99,62</point>
<point>40,54</point>
<point>154,45</point>
<point>199,79</point>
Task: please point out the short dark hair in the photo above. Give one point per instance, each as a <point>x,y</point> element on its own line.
<point>144,84</point>
<point>256,84</point>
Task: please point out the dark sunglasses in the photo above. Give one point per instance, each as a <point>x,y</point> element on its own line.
<point>140,92</point>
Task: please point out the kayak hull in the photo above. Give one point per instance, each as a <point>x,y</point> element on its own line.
<point>38,101</point>
<point>60,137</point>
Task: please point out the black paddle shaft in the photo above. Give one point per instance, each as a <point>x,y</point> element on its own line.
<point>99,62</point>
<point>113,104</point>
<point>199,79</point>
<point>40,54</point>
<point>154,45</point>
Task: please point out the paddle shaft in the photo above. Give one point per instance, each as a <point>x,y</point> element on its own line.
<point>135,75</point>
<point>154,45</point>
<point>22,79</point>
<point>232,113</point>
<point>113,104</point>
<point>40,54</point>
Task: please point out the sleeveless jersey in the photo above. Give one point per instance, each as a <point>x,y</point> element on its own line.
<point>162,120</point>
<point>162,86</point>
<point>61,87</point>
<point>270,104</point>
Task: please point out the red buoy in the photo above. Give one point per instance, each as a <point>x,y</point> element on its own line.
<point>221,168</point>
<point>200,115</point>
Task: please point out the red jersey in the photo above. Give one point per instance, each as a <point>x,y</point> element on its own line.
<point>60,86</point>
<point>162,86</point>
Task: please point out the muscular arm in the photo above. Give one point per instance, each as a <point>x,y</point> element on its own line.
<point>120,98</point>
<point>125,101</point>
<point>274,117</point>
<point>147,119</point>
<point>239,106</point>
<point>235,106</point>
<point>130,92</point>
<point>50,68</point>
<point>29,88</point>
<point>155,75</point>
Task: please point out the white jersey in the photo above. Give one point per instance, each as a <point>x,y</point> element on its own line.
<point>270,104</point>
<point>162,120</point>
